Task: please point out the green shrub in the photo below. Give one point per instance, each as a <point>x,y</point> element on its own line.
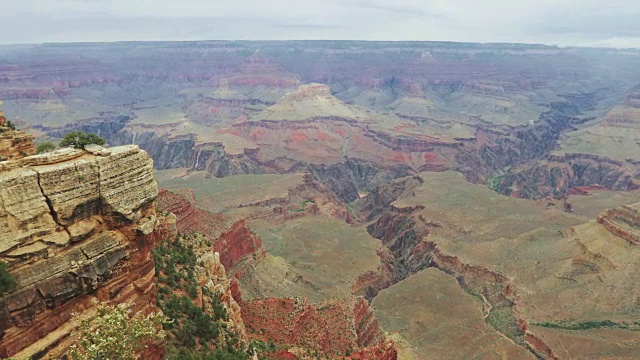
<point>45,147</point>
<point>7,281</point>
<point>78,140</point>
<point>113,334</point>
<point>591,324</point>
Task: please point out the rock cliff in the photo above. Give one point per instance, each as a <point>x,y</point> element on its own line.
<point>232,239</point>
<point>14,144</point>
<point>75,226</point>
<point>334,327</point>
<point>557,175</point>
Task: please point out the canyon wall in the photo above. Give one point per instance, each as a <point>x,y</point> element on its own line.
<point>557,175</point>
<point>232,239</point>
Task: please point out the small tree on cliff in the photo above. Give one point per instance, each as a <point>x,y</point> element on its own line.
<point>45,147</point>
<point>78,140</point>
<point>113,334</point>
<point>7,282</point>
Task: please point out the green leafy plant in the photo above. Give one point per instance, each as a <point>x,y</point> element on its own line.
<point>591,324</point>
<point>45,147</point>
<point>113,334</point>
<point>79,139</point>
<point>195,331</point>
<point>7,282</point>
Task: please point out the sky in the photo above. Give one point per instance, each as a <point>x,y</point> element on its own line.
<point>611,23</point>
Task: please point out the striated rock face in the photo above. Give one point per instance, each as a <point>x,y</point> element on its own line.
<point>14,144</point>
<point>623,222</point>
<point>214,159</point>
<point>190,217</point>
<point>212,275</point>
<point>74,227</point>
<point>237,243</point>
<point>232,239</point>
<point>347,180</point>
<point>559,174</point>
<point>332,327</point>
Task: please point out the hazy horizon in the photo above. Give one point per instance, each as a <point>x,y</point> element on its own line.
<point>587,23</point>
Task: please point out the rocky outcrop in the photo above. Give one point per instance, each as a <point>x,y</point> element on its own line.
<point>382,351</point>
<point>213,159</point>
<point>623,222</point>
<point>557,175</point>
<point>238,243</point>
<point>191,218</point>
<point>232,239</point>
<point>334,327</point>
<point>14,144</point>
<point>166,152</point>
<point>210,273</point>
<point>367,330</point>
<point>75,226</point>
<point>350,179</point>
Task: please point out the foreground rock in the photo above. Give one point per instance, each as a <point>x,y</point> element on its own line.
<point>75,227</point>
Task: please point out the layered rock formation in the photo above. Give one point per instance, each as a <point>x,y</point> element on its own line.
<point>335,327</point>
<point>623,222</point>
<point>215,279</point>
<point>557,175</point>
<point>75,226</point>
<point>309,102</point>
<point>232,239</point>
<point>14,144</point>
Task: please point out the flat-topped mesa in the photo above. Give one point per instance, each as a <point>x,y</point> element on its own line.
<point>623,222</point>
<point>75,225</point>
<point>307,102</point>
<point>309,91</point>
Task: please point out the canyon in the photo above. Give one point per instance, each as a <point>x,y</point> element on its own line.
<point>382,200</point>
<point>80,226</point>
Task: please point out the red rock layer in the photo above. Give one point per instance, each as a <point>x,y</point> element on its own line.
<point>336,327</point>
<point>237,243</point>
<point>623,222</point>
<point>234,241</point>
<point>132,280</point>
<point>93,241</point>
<point>382,351</point>
<point>189,217</point>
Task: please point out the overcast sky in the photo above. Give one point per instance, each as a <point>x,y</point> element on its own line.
<point>564,22</point>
